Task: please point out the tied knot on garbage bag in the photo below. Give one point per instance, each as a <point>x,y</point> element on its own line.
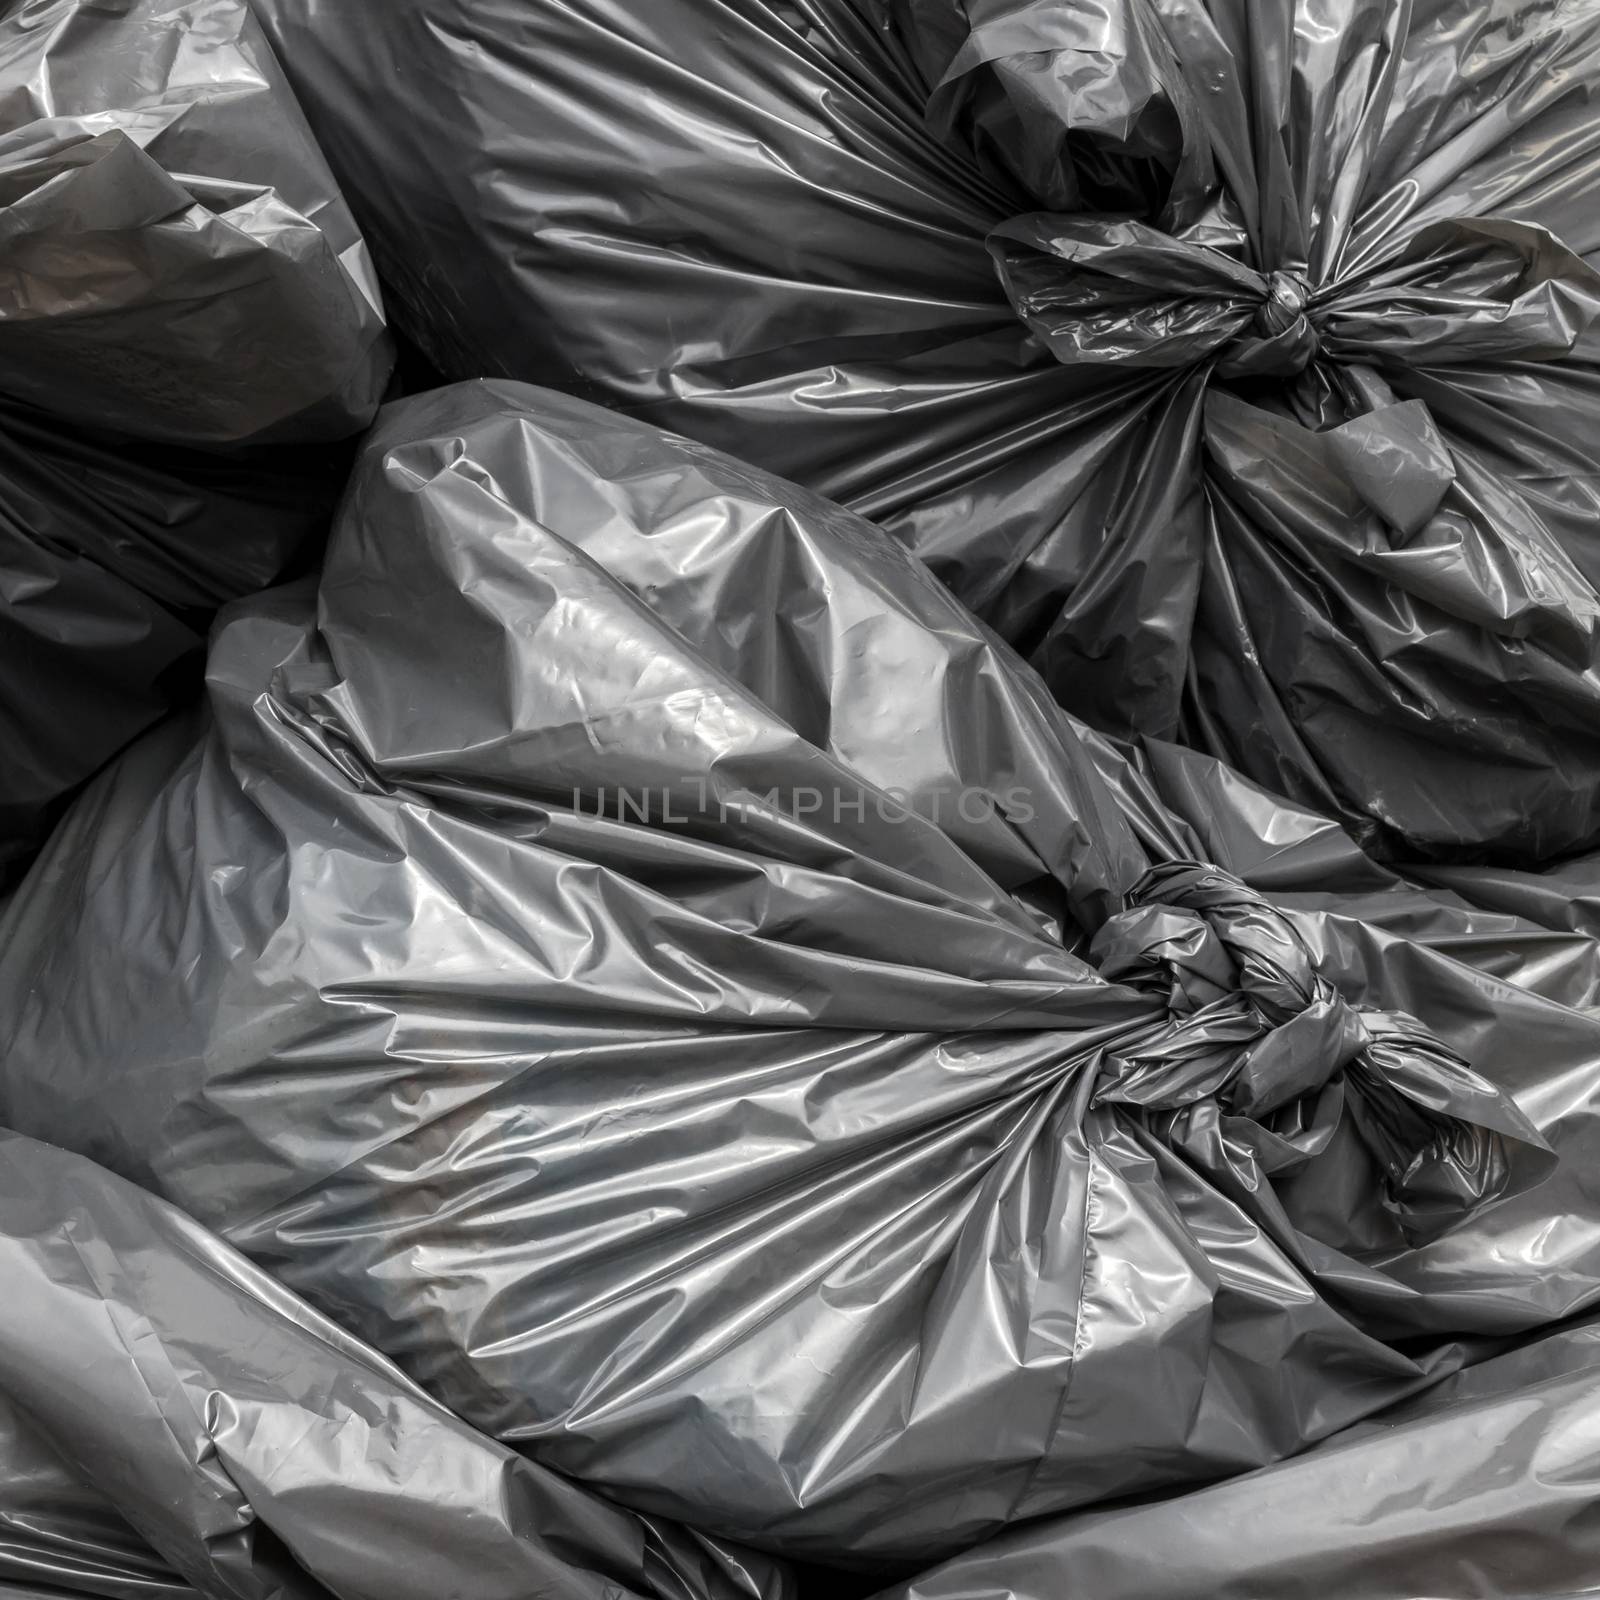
<point>1283,339</point>
<point>1256,1029</point>
<point>791,1117</point>
<point>1098,290</point>
<point>1156,180</point>
<point>1101,290</point>
<point>1254,1024</point>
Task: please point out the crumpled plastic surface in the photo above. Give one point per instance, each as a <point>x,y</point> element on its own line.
<point>1484,1486</point>
<point>189,326</point>
<point>61,1536</point>
<point>173,1422</point>
<point>180,265</point>
<point>1238,363</point>
<point>632,948</point>
<point>1493,1496</point>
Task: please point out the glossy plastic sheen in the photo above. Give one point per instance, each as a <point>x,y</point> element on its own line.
<point>180,265</point>
<point>1484,1486</point>
<point>878,1128</point>
<point>188,328</point>
<point>1237,361</point>
<point>1485,1483</point>
<point>173,1423</point>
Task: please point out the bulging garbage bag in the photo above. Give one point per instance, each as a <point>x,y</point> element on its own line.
<point>1238,363</point>
<point>1484,1483</point>
<point>173,1422</point>
<point>189,329</point>
<point>179,264</point>
<point>631,947</point>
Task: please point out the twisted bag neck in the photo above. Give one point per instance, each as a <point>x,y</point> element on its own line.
<point>1104,290</point>
<point>1255,1027</point>
<point>1282,339</point>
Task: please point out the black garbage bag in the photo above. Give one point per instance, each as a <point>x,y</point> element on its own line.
<point>113,560</point>
<point>1485,1483</point>
<point>632,948</point>
<point>159,1394</point>
<point>1485,1486</point>
<point>1237,362</point>
<point>180,265</point>
<point>189,330</point>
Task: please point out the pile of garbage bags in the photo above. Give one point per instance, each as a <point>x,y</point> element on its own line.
<point>189,326</point>
<point>886,884</point>
<point>1234,359</point>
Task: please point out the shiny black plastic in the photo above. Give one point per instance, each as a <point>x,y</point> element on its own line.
<point>1485,1486</point>
<point>188,329</point>
<point>1236,361</point>
<point>631,947</point>
<point>160,1395</point>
